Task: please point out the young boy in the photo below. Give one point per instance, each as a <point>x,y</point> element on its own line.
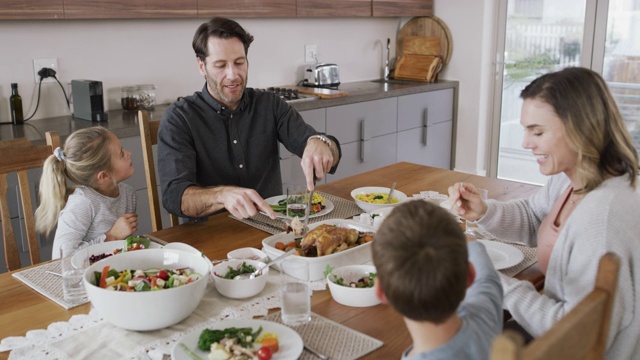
<point>447,290</point>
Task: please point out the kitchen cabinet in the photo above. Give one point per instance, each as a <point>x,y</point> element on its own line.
<point>131,9</point>
<point>247,9</point>
<point>32,9</point>
<point>382,8</point>
<point>334,8</point>
<point>366,131</point>
<point>425,128</point>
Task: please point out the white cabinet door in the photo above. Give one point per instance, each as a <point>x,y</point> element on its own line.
<point>429,145</point>
<point>363,120</point>
<point>429,108</point>
<point>358,157</point>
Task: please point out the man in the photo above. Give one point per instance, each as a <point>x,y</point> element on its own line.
<point>218,148</point>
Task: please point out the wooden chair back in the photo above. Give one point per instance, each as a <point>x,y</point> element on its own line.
<point>581,334</point>
<point>20,155</point>
<point>149,137</point>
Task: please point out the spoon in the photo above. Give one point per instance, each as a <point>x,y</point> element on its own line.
<point>393,186</point>
<point>273,262</point>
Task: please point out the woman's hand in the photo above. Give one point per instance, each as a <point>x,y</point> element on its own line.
<point>467,201</point>
<point>126,225</point>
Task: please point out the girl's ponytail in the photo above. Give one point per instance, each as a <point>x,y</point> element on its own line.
<point>53,194</point>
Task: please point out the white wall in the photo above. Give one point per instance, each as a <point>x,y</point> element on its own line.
<point>473,25</point>
<point>127,52</point>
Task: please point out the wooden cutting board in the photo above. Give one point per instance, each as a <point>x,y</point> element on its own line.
<point>320,92</point>
<point>420,45</point>
<point>425,26</point>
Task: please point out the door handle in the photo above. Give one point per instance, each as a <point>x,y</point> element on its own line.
<point>364,141</point>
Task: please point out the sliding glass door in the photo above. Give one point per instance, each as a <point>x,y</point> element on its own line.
<point>541,36</point>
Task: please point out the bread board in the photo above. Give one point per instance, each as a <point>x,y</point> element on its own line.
<point>426,26</point>
<point>322,93</point>
<point>418,67</point>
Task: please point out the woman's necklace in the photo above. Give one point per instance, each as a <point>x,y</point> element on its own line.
<point>573,198</point>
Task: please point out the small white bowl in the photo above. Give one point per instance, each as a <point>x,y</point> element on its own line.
<point>239,289</point>
<point>136,310</point>
<point>369,207</point>
<point>350,296</point>
<point>248,253</point>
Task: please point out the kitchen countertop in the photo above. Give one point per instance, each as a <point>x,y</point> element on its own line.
<point>124,123</point>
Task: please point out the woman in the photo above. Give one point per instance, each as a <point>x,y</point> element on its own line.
<point>588,207</point>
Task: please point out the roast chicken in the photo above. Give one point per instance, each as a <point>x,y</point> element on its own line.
<point>328,239</point>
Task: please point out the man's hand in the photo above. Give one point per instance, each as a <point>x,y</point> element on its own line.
<point>126,225</point>
<point>318,158</point>
<point>240,202</point>
<point>243,203</point>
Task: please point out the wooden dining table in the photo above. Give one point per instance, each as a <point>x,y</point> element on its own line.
<point>23,309</point>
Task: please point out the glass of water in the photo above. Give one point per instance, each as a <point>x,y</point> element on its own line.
<point>73,272</point>
<point>295,293</point>
<point>297,201</point>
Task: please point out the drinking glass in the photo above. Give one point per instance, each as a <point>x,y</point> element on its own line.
<point>297,201</point>
<point>470,232</point>
<point>72,273</point>
<point>295,294</point>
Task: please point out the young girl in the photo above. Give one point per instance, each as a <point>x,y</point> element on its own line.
<point>100,207</point>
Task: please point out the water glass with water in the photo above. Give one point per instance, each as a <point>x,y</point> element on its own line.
<point>295,293</point>
<point>73,272</point>
<point>297,201</point>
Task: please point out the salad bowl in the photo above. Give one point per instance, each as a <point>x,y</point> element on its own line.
<point>139,310</point>
<point>239,288</point>
<point>342,284</point>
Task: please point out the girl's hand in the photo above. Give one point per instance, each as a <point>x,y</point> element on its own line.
<point>467,201</point>
<point>124,227</point>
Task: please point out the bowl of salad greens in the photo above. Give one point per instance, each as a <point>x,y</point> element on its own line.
<point>125,289</point>
<point>227,286</point>
<point>352,285</point>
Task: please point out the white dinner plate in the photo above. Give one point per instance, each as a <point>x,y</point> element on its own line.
<point>502,255</point>
<point>290,343</point>
<point>328,205</point>
<point>106,247</point>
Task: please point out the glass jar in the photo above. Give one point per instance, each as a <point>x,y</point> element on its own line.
<point>129,97</point>
<point>146,96</point>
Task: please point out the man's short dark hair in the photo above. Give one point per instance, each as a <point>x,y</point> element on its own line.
<point>222,28</point>
<point>420,253</point>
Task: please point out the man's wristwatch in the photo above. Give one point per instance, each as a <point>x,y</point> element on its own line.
<point>322,138</point>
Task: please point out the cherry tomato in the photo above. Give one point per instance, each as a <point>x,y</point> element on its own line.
<point>264,353</point>
<point>162,274</point>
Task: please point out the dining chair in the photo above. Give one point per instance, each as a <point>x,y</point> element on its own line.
<point>580,334</point>
<point>149,137</point>
<point>19,156</point>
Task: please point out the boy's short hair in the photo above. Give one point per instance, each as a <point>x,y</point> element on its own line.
<point>420,254</point>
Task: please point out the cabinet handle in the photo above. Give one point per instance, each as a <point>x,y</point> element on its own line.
<point>363,141</point>
<point>425,126</point>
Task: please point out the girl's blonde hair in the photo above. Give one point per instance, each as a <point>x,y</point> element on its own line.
<point>85,154</point>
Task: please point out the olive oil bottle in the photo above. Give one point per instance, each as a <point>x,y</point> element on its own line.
<point>17,117</point>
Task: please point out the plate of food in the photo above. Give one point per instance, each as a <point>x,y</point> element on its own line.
<point>502,255</point>
<point>98,252</point>
<point>287,344</point>
<point>319,205</point>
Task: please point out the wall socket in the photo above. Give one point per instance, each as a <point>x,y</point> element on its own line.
<point>310,53</point>
<point>51,63</point>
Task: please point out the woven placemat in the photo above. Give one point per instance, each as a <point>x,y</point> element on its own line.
<point>46,284</point>
<point>530,253</point>
<point>342,209</point>
<point>328,337</point>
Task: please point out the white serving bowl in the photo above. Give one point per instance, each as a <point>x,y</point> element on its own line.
<point>139,310</point>
<point>369,207</point>
<point>248,253</point>
<point>351,296</point>
<point>239,289</point>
